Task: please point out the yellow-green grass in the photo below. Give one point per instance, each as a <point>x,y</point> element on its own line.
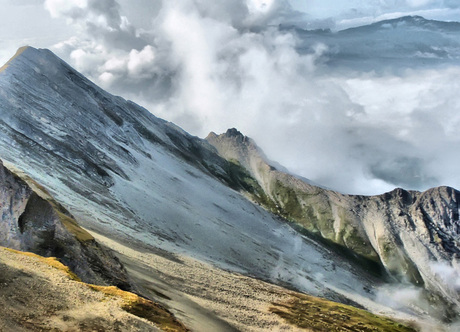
<point>316,314</point>
<point>51,261</point>
<point>143,308</point>
<point>131,302</point>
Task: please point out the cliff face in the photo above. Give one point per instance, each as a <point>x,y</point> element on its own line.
<point>407,232</point>
<point>33,221</point>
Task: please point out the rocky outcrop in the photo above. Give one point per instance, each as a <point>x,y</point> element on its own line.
<point>406,232</point>
<point>33,221</point>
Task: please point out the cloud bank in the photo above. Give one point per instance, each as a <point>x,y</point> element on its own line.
<point>211,66</point>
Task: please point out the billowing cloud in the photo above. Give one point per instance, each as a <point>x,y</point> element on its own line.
<point>450,275</point>
<point>211,66</point>
<point>59,8</point>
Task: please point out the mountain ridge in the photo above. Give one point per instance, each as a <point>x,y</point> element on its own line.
<point>408,21</point>
<point>388,46</point>
<point>383,228</point>
<point>138,179</point>
<point>89,162</point>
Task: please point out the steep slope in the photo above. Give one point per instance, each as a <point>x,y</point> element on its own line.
<point>411,234</point>
<point>144,182</point>
<point>123,172</point>
<point>242,302</point>
<point>33,221</point>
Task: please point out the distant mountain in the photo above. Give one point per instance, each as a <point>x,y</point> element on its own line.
<point>390,45</point>
<point>147,185</point>
<point>407,23</point>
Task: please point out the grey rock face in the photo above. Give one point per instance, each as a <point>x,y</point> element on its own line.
<point>143,181</point>
<point>33,221</point>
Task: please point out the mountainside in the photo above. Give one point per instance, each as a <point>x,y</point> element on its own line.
<point>144,183</point>
<point>410,234</point>
<point>120,170</point>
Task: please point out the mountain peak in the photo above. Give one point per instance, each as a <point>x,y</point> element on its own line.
<point>408,22</point>
<point>29,60</point>
<point>18,52</point>
<point>233,132</point>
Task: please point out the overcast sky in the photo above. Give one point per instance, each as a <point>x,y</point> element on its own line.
<point>211,65</point>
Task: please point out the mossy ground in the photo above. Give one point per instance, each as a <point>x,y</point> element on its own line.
<point>317,314</point>
<point>71,225</point>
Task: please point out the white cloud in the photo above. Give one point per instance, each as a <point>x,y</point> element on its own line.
<point>419,3</point>
<point>450,275</point>
<point>211,66</point>
<point>58,8</point>
<point>141,62</point>
<point>257,6</point>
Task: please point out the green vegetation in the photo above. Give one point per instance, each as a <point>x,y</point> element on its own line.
<point>399,264</point>
<point>310,214</point>
<point>238,178</point>
<point>71,225</point>
<point>313,212</point>
<point>367,263</point>
<point>309,312</point>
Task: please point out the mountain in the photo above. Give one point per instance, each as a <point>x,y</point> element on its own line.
<point>175,210</point>
<point>389,45</point>
<point>407,233</point>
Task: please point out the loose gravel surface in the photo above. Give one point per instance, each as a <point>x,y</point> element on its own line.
<point>37,294</point>
<point>202,296</point>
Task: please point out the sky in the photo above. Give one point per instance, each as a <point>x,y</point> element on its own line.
<point>209,66</point>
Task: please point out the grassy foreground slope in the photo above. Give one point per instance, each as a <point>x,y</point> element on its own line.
<point>308,312</point>
<point>41,294</point>
<point>207,298</point>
